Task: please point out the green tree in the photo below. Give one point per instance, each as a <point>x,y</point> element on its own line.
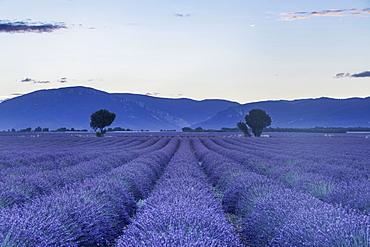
<point>187,129</point>
<point>257,119</point>
<point>61,129</point>
<point>243,127</point>
<point>101,119</point>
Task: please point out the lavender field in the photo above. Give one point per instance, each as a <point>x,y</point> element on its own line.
<point>184,190</point>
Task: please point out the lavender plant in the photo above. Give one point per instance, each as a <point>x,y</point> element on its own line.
<point>274,215</point>
<point>181,211</point>
<point>88,213</point>
<point>21,189</point>
<point>324,177</point>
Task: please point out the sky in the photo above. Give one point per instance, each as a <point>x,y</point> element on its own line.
<point>238,50</point>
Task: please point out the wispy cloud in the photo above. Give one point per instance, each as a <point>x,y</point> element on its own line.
<point>95,79</point>
<point>41,82</point>
<point>34,81</point>
<point>63,80</point>
<point>332,12</point>
<point>7,26</point>
<point>357,75</point>
<point>27,80</point>
<point>152,94</point>
<point>30,80</point>
<point>181,15</point>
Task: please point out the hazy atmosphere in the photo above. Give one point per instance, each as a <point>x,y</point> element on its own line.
<point>243,51</point>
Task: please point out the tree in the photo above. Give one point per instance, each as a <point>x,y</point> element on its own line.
<point>61,129</point>
<point>101,119</point>
<point>243,127</point>
<point>187,129</point>
<point>26,130</point>
<point>258,120</point>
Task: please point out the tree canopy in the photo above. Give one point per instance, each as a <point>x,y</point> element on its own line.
<point>257,120</point>
<point>243,127</point>
<point>101,119</point>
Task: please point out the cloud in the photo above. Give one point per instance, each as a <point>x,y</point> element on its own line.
<point>362,74</point>
<point>7,26</point>
<point>33,81</point>
<point>27,80</point>
<point>95,79</point>
<point>332,12</point>
<point>357,75</point>
<point>181,15</point>
<point>42,82</point>
<point>63,80</point>
<point>366,11</point>
<point>291,18</point>
<point>152,94</point>
<point>342,75</point>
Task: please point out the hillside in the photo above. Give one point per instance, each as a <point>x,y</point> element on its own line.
<point>306,113</point>
<point>71,107</point>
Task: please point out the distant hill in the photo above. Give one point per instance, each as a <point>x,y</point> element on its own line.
<point>305,113</point>
<point>71,107</point>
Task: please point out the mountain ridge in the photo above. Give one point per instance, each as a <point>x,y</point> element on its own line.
<point>303,113</point>
<point>71,107</point>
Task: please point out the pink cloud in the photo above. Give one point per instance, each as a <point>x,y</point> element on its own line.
<point>333,12</point>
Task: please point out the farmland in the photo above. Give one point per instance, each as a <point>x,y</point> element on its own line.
<point>184,190</point>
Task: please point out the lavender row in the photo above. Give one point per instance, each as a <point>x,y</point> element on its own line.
<point>90,213</point>
<point>345,152</point>
<point>22,157</point>
<point>58,143</point>
<point>24,188</point>
<point>326,178</point>
<point>26,163</point>
<point>330,183</point>
<point>58,151</point>
<point>273,215</point>
<point>181,211</point>
<point>282,162</point>
<point>29,162</point>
